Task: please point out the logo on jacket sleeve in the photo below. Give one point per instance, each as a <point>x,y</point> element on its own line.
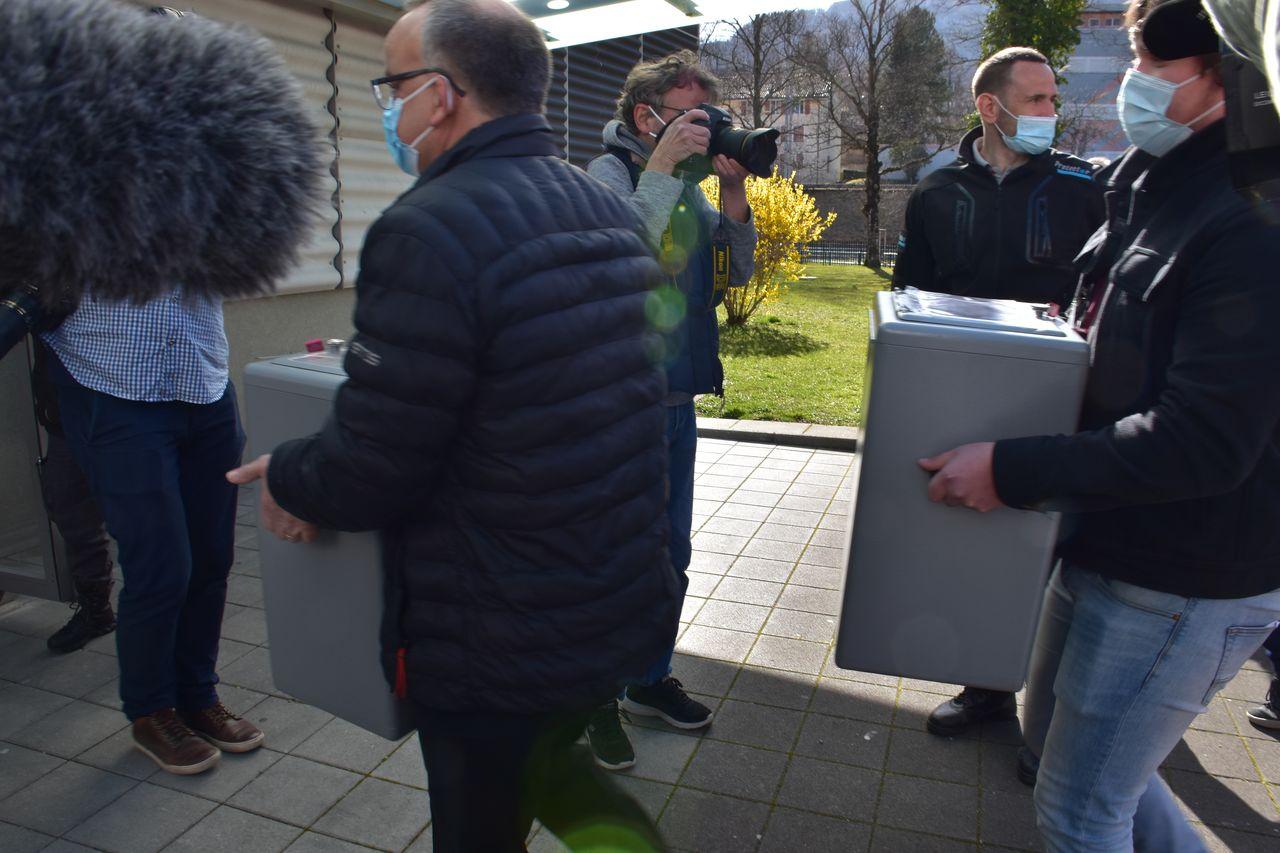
<point>1084,173</point>
<point>365,354</point>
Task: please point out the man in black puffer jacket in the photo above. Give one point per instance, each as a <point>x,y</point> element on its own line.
<point>502,425</point>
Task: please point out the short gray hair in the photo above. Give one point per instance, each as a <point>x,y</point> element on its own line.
<point>497,52</point>
<point>649,81</point>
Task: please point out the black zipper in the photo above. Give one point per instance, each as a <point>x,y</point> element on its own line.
<point>1000,235</point>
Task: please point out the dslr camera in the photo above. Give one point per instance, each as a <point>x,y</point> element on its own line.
<point>755,149</point>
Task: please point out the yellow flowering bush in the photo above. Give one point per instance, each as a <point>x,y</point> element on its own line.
<point>786,219</point>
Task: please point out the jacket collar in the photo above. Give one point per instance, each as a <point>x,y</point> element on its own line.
<point>618,135</point>
<point>969,159</point>
<point>526,135</point>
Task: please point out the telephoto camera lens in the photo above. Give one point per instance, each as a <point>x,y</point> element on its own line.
<point>755,149</point>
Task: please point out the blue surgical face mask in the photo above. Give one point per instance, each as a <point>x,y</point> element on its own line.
<point>406,153</point>
<point>1034,135</point>
<point>1143,102</point>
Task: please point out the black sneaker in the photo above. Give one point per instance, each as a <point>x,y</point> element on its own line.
<point>609,743</point>
<point>1267,715</point>
<point>1028,766</point>
<point>974,705</point>
<point>667,700</point>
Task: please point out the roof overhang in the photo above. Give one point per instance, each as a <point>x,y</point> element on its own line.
<point>570,22</point>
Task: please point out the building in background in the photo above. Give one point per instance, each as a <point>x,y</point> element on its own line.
<point>810,144</point>
<point>1090,123</point>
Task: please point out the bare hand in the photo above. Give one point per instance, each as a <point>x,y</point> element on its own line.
<point>681,139</point>
<point>733,187</point>
<point>282,524</point>
<point>964,477</point>
<point>732,174</point>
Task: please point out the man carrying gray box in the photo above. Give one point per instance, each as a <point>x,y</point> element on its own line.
<point>1169,577</point>
<point>1004,222</point>
<point>501,426</point>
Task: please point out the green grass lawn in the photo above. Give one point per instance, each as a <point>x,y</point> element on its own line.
<point>801,358</point>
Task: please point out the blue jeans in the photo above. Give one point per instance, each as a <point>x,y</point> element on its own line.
<point>682,449</point>
<point>158,471</point>
<point>1118,674</point>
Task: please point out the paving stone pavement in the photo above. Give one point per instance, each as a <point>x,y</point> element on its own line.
<point>802,756</point>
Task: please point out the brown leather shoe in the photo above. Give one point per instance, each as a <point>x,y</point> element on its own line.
<point>167,741</point>
<point>224,729</point>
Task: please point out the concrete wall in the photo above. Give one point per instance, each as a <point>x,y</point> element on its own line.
<point>850,224</point>
<point>262,328</point>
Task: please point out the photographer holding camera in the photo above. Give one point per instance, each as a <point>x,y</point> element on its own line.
<point>657,152</point>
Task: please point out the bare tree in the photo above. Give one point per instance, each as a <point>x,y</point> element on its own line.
<point>851,51</point>
<point>1083,123</point>
<point>763,86</point>
<point>752,57</point>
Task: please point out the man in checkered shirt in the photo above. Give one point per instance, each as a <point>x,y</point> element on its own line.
<point>151,418</point>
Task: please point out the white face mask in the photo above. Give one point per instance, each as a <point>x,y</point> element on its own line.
<point>654,113</point>
<point>1143,103</point>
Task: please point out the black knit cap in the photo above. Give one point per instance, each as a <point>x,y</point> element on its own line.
<point>1179,29</point>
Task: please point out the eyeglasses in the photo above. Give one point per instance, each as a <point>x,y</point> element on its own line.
<point>384,88</point>
<point>679,110</point>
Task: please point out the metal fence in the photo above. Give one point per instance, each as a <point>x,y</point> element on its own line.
<point>850,253</point>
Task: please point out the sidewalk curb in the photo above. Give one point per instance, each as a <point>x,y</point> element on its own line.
<point>815,436</point>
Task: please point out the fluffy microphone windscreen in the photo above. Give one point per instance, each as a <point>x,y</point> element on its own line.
<point>139,152</point>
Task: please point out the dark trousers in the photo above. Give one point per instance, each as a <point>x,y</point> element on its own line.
<point>491,775</point>
<point>158,471</point>
<point>71,507</point>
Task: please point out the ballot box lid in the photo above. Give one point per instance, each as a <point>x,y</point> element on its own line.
<point>997,327</point>
<point>324,362</point>
<point>312,374</point>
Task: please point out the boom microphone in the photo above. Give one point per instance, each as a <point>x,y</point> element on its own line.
<point>139,152</point>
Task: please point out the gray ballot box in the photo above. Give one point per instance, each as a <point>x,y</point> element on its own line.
<point>323,600</point>
<point>935,592</point>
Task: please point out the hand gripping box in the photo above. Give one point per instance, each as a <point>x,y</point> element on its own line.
<point>935,592</point>
<point>323,600</point>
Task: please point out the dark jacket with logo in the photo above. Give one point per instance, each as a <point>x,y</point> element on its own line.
<point>1174,477</point>
<point>502,427</point>
<point>968,234</point>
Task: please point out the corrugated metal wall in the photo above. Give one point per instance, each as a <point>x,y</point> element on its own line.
<point>369,178</point>
<point>588,78</point>
<point>301,34</point>
<point>558,97</point>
